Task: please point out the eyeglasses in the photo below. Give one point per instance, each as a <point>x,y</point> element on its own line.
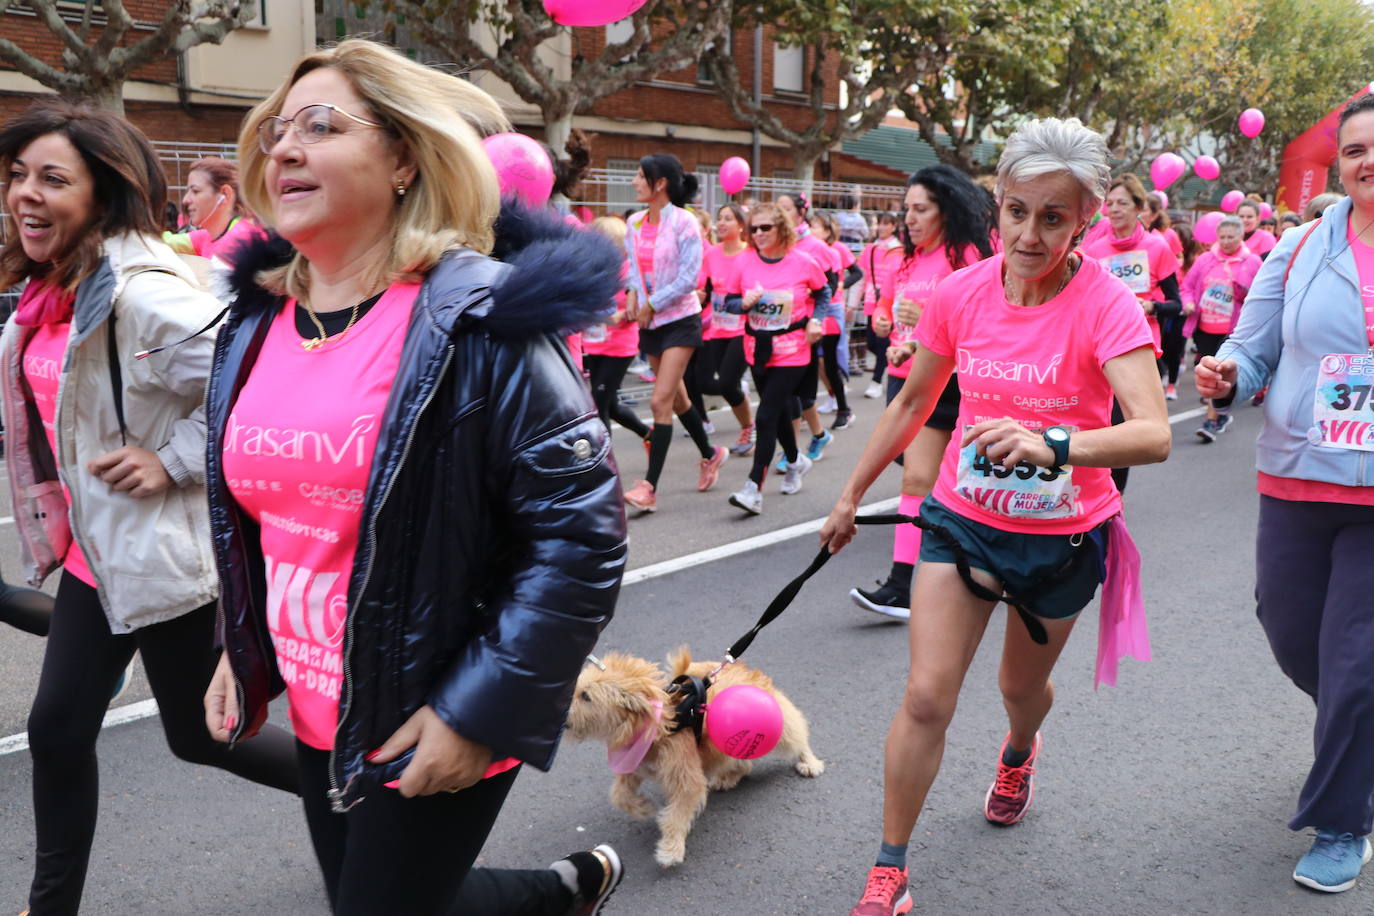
<point>312,123</point>
<point>762,227</point>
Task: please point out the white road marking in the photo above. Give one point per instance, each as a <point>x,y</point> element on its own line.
<point>148,708</point>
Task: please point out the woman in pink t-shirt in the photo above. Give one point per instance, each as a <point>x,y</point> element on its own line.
<point>609,347</point>
<point>946,228</point>
<point>796,208</point>
<point>1042,339</point>
<point>415,512</point>
<point>833,358</point>
<point>106,465</point>
<point>720,361</point>
<point>220,222</point>
<point>878,262</point>
<point>779,288</point>
<point>1258,240</point>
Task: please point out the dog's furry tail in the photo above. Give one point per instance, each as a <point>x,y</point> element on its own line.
<point>679,660</point>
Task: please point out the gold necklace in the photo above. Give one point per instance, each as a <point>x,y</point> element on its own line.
<point>311,344</point>
<point>1069,270</point>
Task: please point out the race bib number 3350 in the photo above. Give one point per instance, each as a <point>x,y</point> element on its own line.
<point>1344,406</point>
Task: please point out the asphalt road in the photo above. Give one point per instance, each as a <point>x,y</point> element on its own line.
<point>1165,795</point>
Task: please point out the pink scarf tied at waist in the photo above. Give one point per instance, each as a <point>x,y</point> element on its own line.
<point>1122,629</point>
<point>41,304</point>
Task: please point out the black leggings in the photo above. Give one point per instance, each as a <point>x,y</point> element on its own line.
<point>777,388</point>
<point>1173,343</point>
<point>390,854</point>
<point>25,609</point>
<point>82,663</point>
<point>720,369</point>
<point>606,373</point>
<point>878,347</point>
<point>830,349</point>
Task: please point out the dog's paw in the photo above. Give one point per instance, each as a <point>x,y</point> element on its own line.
<point>810,766</point>
<point>723,781</point>
<point>669,854</point>
<point>634,804</point>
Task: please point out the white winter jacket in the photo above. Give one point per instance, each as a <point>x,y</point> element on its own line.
<point>151,557</point>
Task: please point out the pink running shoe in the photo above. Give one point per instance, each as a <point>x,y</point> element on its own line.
<point>1010,796</point>
<point>885,894</point>
<point>642,497</point>
<point>710,468</point>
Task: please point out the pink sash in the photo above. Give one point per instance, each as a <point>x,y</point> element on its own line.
<point>1122,629</point>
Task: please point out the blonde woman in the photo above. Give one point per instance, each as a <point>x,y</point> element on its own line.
<point>415,513</point>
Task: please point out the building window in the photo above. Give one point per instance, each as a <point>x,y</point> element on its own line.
<point>789,67</point>
<point>620,191</point>
<point>704,72</point>
<point>259,18</point>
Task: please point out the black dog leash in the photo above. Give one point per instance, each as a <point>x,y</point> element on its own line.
<point>689,711</point>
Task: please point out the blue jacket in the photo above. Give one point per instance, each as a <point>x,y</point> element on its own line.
<point>1282,336</point>
<point>493,532</point>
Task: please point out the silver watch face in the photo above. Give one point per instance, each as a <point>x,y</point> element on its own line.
<point>1057,433</point>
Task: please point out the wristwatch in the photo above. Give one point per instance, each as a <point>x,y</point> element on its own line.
<point>1057,438</point>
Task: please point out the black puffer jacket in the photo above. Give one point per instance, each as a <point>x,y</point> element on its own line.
<point>493,532</point>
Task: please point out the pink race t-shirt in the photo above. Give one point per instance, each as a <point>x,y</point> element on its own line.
<point>297,452</point>
<point>819,251</point>
<point>1142,267</point>
<point>618,339</point>
<point>879,262</point>
<point>1041,367</point>
<point>720,269</point>
<point>915,281</point>
<point>787,287</point>
<point>43,371</point>
<point>644,254</point>
<point>1261,242</point>
<point>1364,266</point>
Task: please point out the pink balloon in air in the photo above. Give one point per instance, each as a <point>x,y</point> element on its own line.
<point>522,167</point>
<point>1206,168</point>
<point>1251,122</point>
<point>744,721</point>
<point>1266,211</point>
<point>590,12</point>
<point>734,175</point>
<point>1166,169</point>
<point>1231,200</point>
<point>1205,230</point>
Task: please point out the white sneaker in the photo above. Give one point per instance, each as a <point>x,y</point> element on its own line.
<point>874,390</point>
<point>748,498</point>
<point>828,405</point>
<point>709,427</point>
<point>792,479</point>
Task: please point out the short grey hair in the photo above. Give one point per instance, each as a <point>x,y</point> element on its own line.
<point>1050,145</point>
<point>1231,222</point>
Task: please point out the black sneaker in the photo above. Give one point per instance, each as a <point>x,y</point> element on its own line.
<point>887,599</point>
<point>843,419</point>
<point>598,875</point>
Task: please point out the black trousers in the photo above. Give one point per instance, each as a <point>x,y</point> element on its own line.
<point>81,665</point>
<point>720,368</point>
<point>605,374</point>
<point>777,388</point>
<point>390,854</point>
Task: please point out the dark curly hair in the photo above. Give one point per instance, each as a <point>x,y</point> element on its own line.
<point>963,208</point>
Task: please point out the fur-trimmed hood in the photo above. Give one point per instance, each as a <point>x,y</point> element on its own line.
<point>557,277</point>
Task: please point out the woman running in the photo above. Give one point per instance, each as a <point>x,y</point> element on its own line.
<point>1158,223</point>
<point>107,465</point>
<point>946,228</point>
<point>1042,339</point>
<point>213,206</point>
<point>1145,263</point>
<point>834,362</point>
<point>720,361</point>
<point>1307,331</point>
<point>420,542</point>
<point>610,346</point>
<point>878,262</point>
<point>1258,240</point>
<point>1213,293</point>
<point>783,292</point>
<point>664,247</point>
<point>796,208</point>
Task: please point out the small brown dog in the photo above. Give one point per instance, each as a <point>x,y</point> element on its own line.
<point>618,706</point>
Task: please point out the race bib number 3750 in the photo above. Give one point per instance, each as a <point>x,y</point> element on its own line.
<point>1344,408</point>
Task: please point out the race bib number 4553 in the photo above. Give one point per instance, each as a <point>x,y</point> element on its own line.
<point>1344,408</point>
<point>1022,491</point>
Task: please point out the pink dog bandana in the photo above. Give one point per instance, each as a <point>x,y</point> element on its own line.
<point>628,758</point>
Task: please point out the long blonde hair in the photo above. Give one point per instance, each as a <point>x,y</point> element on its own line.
<point>454,199</point>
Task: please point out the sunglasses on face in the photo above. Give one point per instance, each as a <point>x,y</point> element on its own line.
<point>762,227</point>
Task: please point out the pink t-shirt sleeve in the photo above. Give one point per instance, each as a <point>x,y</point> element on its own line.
<point>1121,328</point>
<point>933,330</point>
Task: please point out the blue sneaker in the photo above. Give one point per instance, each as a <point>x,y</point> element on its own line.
<point>1333,863</point>
<point>818,444</point>
<point>781,466</point>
